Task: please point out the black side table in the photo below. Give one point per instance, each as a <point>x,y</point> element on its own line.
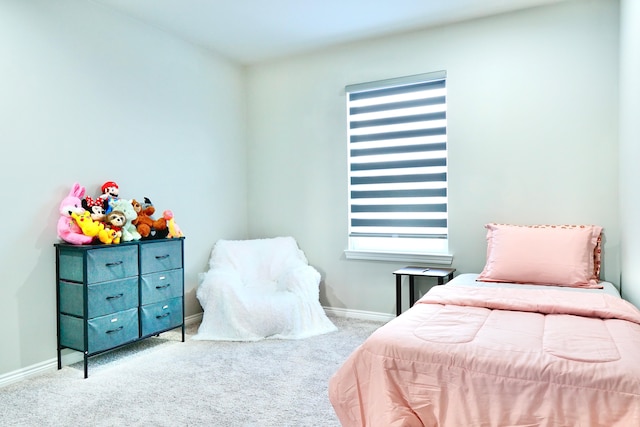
<point>412,272</point>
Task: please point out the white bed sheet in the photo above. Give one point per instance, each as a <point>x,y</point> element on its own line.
<point>469,279</point>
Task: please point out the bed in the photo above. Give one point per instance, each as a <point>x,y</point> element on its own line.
<point>500,348</point>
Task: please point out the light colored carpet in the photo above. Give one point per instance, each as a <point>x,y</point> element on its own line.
<point>164,382</point>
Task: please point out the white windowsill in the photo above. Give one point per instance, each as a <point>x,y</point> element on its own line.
<point>440,259</point>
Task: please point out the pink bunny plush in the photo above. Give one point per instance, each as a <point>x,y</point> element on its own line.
<point>68,230</point>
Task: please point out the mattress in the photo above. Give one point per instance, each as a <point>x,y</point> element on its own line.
<point>471,354</point>
<point>469,279</point>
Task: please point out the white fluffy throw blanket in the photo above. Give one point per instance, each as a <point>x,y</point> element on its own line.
<point>261,288</point>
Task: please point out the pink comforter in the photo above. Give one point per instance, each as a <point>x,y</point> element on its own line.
<point>465,356</point>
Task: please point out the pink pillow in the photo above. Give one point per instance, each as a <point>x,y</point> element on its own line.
<point>546,255</point>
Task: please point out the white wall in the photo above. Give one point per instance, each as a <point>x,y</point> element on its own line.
<point>532,122</point>
<point>88,95</point>
<point>630,148</point>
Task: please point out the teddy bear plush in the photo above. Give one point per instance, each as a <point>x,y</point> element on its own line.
<point>112,233</point>
<point>147,226</point>
<point>129,231</point>
<point>68,229</point>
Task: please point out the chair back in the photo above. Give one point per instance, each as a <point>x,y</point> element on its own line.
<point>258,259</point>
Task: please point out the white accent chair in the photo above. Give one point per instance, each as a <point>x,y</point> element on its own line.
<point>260,288</point>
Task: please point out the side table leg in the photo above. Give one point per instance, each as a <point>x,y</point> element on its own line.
<point>86,365</point>
<point>398,294</point>
<point>412,294</point>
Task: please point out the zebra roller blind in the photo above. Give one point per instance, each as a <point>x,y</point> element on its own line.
<point>397,132</point>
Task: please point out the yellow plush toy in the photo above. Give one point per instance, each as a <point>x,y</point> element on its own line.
<point>174,229</point>
<point>88,226</point>
<point>109,236</point>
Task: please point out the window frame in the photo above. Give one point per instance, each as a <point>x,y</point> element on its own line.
<point>386,244</point>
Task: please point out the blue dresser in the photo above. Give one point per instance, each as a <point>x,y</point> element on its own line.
<point>113,295</point>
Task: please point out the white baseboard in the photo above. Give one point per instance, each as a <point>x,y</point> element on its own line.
<point>331,311</point>
<point>29,371</point>
<point>358,314</point>
<point>194,318</point>
<point>68,357</point>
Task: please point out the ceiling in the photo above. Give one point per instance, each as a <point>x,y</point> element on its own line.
<point>250,31</point>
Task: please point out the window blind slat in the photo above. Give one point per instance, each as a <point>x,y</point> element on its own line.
<point>398,149</point>
<point>439,207</point>
<point>396,194</point>
<point>388,179</point>
<point>399,222</point>
<point>425,102</point>
<point>399,135</point>
<point>399,234</point>
<point>397,90</point>
<point>398,120</point>
<point>400,164</point>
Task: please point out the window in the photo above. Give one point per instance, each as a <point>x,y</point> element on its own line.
<point>397,136</point>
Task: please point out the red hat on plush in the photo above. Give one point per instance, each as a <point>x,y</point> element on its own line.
<point>107,185</point>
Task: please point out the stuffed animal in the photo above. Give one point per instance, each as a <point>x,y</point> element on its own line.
<point>68,230</point>
<point>174,229</point>
<point>88,226</point>
<point>109,236</point>
<point>129,231</point>
<point>116,221</point>
<point>145,224</point>
<point>97,208</point>
<point>110,192</point>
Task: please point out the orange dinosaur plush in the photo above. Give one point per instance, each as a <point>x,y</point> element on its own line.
<point>145,224</point>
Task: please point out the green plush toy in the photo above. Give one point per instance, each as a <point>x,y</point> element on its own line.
<point>129,231</point>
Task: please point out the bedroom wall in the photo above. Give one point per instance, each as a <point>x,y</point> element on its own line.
<point>532,120</point>
<point>88,95</point>
<point>630,148</point>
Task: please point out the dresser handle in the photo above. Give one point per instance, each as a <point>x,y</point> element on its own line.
<point>118,329</point>
<point>115,296</point>
<point>163,286</point>
<point>113,264</point>
<point>163,315</point>
<point>162,256</point>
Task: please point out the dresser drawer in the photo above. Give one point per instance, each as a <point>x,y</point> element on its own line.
<point>103,298</point>
<point>104,264</point>
<point>156,287</point>
<point>104,332</point>
<point>161,316</point>
<point>160,256</point>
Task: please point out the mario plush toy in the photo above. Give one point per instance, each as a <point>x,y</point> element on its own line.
<point>110,192</point>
